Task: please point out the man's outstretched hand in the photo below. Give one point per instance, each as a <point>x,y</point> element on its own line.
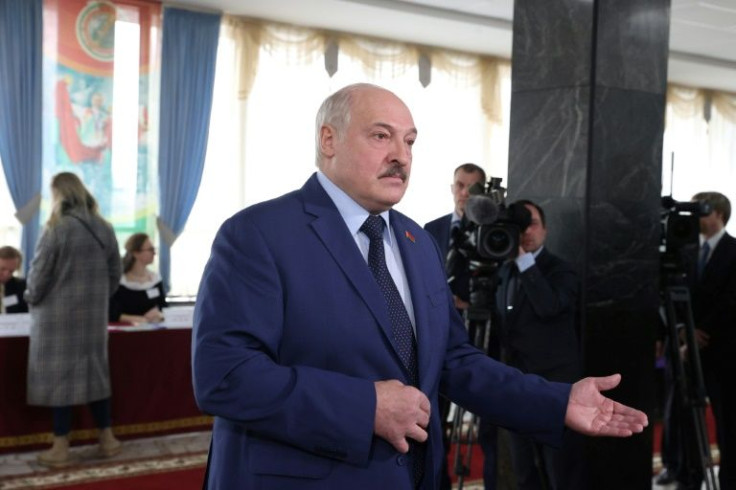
<point>591,413</point>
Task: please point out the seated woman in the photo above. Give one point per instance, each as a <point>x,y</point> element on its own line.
<point>140,296</point>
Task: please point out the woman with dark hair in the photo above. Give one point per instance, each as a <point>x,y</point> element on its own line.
<point>74,272</point>
<point>140,296</point>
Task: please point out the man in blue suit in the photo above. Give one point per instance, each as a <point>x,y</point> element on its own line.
<point>296,349</point>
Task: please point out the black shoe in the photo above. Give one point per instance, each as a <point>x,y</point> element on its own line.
<point>688,486</point>
<point>665,477</point>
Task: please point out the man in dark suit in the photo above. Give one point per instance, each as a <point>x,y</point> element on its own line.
<point>465,176</point>
<point>324,330</point>
<point>537,298</point>
<point>713,285</point>
<point>11,287</point>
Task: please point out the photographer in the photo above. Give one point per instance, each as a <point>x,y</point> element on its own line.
<point>466,176</point>
<point>713,285</point>
<point>537,302</point>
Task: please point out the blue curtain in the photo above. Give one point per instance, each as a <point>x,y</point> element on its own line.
<point>188,56</point>
<point>21,26</point>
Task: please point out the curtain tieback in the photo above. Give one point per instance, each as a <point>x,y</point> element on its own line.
<point>29,209</point>
<point>166,233</point>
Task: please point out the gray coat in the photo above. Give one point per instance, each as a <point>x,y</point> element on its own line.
<point>70,281</point>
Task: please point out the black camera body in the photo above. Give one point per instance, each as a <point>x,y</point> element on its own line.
<point>490,231</point>
<point>488,235</point>
<point>679,242</point>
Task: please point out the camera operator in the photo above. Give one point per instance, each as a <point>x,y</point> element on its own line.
<point>537,302</point>
<point>465,176</point>
<point>713,285</point>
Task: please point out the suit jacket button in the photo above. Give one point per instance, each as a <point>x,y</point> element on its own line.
<point>401,459</point>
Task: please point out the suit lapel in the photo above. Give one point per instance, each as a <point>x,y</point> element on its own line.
<point>445,237</point>
<point>414,264</point>
<point>502,294</point>
<point>334,235</point>
<point>717,258</point>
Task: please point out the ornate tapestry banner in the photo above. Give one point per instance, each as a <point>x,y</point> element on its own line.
<point>88,84</point>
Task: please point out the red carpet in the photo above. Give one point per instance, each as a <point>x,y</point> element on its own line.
<point>189,479</point>
<point>476,460</point>
<point>186,471</point>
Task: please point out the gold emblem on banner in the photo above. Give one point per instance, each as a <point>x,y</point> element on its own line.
<point>96,30</point>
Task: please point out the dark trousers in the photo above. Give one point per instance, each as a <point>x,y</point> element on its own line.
<point>63,417</point>
<point>445,404</point>
<point>488,441</point>
<point>539,467</point>
<point>718,383</point>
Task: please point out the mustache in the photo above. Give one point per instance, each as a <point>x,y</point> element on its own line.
<point>395,171</point>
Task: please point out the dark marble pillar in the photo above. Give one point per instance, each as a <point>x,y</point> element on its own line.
<point>587,116</point>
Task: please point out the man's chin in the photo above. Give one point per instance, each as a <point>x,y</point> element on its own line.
<point>390,199</point>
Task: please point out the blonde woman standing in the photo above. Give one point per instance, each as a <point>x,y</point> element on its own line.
<point>75,270</point>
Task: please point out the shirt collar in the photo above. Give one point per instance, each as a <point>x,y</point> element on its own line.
<point>713,241</point>
<point>352,213</point>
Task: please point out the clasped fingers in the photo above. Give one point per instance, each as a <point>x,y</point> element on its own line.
<point>402,412</point>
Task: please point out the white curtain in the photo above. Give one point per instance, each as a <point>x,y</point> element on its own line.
<point>271,79</point>
<point>270,82</point>
<point>700,145</point>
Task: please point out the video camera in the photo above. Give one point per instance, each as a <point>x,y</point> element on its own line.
<point>680,232</point>
<point>490,230</point>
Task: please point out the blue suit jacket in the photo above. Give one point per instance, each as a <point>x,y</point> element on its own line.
<point>290,333</point>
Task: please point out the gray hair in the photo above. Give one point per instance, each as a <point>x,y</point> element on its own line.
<point>335,111</point>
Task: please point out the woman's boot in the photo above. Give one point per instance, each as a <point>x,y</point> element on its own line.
<point>109,445</point>
<point>58,456</point>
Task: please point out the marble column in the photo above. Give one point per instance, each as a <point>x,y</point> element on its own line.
<point>587,117</point>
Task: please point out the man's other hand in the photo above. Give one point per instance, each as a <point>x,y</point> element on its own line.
<point>401,412</point>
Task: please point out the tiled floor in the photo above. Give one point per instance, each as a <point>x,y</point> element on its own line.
<point>21,471</point>
<point>673,486</point>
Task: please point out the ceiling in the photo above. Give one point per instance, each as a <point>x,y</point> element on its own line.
<point>702,32</point>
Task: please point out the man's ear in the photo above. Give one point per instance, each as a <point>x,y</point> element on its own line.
<point>327,139</point>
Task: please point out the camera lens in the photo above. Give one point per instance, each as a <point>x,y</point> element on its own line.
<point>497,243</point>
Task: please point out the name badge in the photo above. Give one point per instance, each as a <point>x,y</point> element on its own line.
<point>10,300</point>
<point>153,293</point>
